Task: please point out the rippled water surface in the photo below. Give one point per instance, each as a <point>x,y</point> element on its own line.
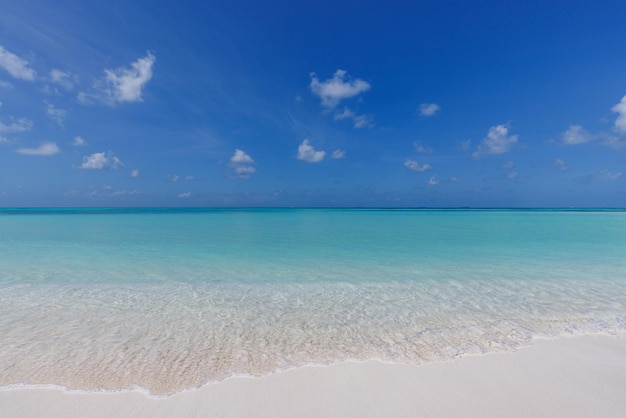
<point>171,299</point>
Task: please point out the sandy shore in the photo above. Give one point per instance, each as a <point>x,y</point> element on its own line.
<point>567,377</point>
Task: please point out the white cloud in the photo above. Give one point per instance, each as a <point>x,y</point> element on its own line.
<point>575,135</point>
<point>19,125</point>
<point>607,175</point>
<point>5,84</point>
<point>189,178</point>
<point>498,141</point>
<point>134,174</point>
<point>184,195</point>
<point>360,121</point>
<point>335,89</point>
<point>85,98</point>
<point>512,175</point>
<point>507,165</point>
<point>421,148</point>
<point>46,149</point>
<point>307,153</point>
<point>465,145</point>
<point>620,109</point>
<point>101,161</point>
<point>363,121</point>
<point>429,109</point>
<point>616,139</point>
<point>560,164</point>
<point>413,165</point>
<point>245,171</point>
<point>123,84</point>
<point>56,114</point>
<point>15,66</point>
<point>240,157</point>
<point>173,178</point>
<point>62,78</point>
<point>78,141</point>
<point>338,154</point>
<point>242,164</point>
<point>433,181</point>
<point>345,114</point>
<point>615,142</point>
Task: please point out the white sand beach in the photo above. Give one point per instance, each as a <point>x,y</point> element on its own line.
<point>582,376</point>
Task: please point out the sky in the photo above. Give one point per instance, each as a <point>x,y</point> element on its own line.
<point>313,104</point>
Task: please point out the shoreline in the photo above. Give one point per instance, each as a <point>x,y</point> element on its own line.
<point>581,375</point>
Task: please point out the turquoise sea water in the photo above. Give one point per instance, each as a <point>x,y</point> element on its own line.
<point>171,299</point>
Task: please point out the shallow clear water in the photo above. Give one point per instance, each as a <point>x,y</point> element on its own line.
<point>171,299</point>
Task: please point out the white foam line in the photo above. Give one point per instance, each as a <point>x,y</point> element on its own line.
<point>574,377</point>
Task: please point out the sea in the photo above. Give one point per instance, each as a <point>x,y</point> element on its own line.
<point>167,300</point>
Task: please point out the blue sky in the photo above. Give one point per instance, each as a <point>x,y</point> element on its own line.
<point>338,103</point>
